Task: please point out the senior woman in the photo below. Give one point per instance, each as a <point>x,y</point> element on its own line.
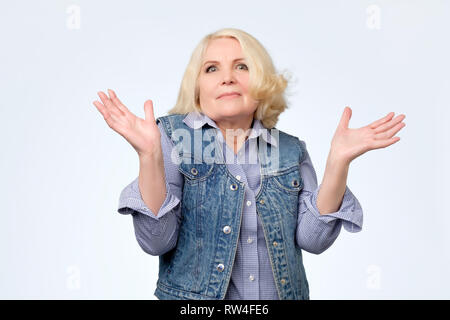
<point>227,201</point>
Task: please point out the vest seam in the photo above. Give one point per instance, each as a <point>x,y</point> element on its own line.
<point>166,129</point>
<point>164,287</point>
<point>212,263</point>
<point>286,170</point>
<point>287,261</point>
<point>269,251</point>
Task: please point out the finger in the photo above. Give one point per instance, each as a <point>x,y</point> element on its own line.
<point>108,116</point>
<point>149,113</point>
<point>109,104</point>
<point>384,143</point>
<point>345,118</point>
<point>101,108</point>
<point>117,102</point>
<point>379,122</point>
<point>391,132</point>
<point>390,124</point>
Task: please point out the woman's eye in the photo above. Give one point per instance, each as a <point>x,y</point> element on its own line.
<point>244,66</point>
<point>241,64</point>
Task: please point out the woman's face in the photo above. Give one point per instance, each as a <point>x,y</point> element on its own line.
<point>227,73</point>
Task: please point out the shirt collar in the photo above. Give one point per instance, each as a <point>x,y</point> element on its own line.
<point>196,120</point>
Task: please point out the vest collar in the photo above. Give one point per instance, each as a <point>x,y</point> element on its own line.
<point>196,120</point>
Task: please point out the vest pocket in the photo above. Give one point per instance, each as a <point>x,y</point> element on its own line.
<point>289,180</point>
<point>194,169</point>
<point>286,188</point>
<point>195,176</point>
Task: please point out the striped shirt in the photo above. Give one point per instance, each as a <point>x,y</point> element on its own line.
<point>252,277</point>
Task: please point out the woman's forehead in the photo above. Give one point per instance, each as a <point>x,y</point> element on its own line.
<point>223,48</point>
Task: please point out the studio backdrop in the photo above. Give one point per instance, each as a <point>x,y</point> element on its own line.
<point>62,168</point>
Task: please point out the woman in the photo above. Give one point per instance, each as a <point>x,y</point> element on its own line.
<point>226,204</point>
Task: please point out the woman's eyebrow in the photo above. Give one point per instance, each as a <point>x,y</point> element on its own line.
<point>211,61</point>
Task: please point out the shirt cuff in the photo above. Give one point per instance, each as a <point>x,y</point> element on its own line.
<point>131,201</point>
<point>350,211</point>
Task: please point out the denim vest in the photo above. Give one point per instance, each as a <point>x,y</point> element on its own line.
<point>200,265</point>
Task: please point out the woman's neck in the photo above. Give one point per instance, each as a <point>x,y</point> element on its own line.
<point>235,133</point>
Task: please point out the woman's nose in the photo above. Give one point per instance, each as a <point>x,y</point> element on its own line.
<point>228,81</point>
<point>228,77</point>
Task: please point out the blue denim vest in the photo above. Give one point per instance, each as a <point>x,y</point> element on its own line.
<point>200,265</point>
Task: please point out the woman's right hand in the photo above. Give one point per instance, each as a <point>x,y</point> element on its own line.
<point>142,134</point>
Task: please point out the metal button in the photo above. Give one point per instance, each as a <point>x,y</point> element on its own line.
<point>233,186</point>
<point>283,281</point>
<point>227,229</point>
<point>194,171</point>
<point>261,201</point>
<point>249,240</point>
<point>251,277</point>
<point>249,203</point>
<point>238,177</point>
<point>275,243</point>
<point>220,267</point>
<point>295,183</point>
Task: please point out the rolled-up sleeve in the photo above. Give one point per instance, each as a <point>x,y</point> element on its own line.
<point>130,201</point>
<point>317,232</point>
<point>156,234</point>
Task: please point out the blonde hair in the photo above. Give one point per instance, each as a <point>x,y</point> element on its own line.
<point>265,85</point>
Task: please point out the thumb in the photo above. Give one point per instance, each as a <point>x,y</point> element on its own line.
<point>148,109</point>
<point>345,119</point>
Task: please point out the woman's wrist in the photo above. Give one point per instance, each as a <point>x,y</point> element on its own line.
<point>146,157</point>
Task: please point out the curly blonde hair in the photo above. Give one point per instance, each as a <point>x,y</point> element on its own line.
<point>265,84</point>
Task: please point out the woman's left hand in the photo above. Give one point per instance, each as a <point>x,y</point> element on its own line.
<point>348,144</point>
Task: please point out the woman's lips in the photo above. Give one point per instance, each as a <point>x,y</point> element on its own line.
<point>230,96</point>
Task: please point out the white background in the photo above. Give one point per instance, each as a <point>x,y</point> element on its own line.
<point>62,167</point>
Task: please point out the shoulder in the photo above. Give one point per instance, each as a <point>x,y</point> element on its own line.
<point>292,141</point>
<point>171,118</point>
<point>172,122</point>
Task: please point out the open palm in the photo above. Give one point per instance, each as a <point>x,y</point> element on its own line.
<point>348,144</point>
<point>142,134</point>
